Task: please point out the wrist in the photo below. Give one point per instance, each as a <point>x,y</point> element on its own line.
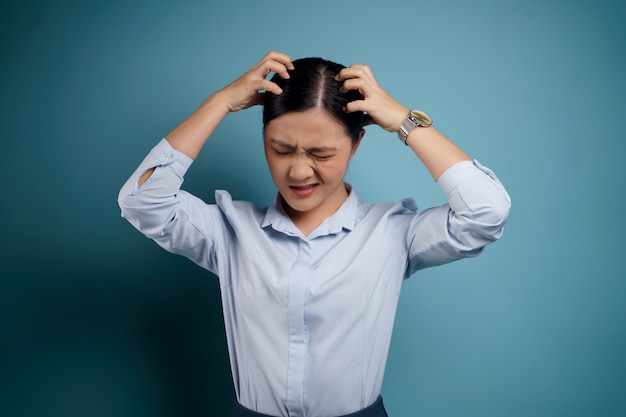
<point>414,119</point>
<point>218,102</point>
<point>399,117</point>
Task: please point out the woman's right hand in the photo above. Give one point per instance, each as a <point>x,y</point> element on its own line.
<point>246,91</point>
<point>190,136</point>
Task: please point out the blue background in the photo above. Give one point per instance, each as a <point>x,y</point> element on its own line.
<point>96,320</point>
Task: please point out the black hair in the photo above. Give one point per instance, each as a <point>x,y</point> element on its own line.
<point>312,85</point>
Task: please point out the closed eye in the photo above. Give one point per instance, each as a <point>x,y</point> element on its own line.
<point>322,153</point>
<point>321,157</point>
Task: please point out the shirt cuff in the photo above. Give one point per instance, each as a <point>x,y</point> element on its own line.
<point>164,154</point>
<point>459,173</point>
<point>161,155</point>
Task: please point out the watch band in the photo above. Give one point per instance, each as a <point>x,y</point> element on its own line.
<point>414,119</point>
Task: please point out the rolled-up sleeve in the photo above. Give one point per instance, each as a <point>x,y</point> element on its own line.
<point>174,219</point>
<point>477,210</point>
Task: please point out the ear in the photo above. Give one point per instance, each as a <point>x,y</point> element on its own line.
<point>357,142</point>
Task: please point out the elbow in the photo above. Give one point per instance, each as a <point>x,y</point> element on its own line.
<point>127,203</point>
<point>498,214</point>
<point>474,231</point>
<point>492,214</point>
<point>148,217</point>
<point>488,224</point>
<point>123,203</point>
<point>480,214</point>
<point>126,198</point>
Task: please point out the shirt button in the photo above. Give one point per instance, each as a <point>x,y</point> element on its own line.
<point>167,156</point>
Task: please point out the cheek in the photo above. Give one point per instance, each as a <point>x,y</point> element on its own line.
<point>275,165</point>
<point>333,168</point>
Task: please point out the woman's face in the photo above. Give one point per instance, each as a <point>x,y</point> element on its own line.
<point>308,153</point>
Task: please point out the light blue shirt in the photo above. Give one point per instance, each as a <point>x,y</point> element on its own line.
<point>309,318</point>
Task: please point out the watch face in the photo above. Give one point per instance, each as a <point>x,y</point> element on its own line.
<point>421,117</point>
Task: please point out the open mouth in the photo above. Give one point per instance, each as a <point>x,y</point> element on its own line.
<point>304,190</point>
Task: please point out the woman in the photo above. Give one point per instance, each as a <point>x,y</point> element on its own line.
<point>310,284</point>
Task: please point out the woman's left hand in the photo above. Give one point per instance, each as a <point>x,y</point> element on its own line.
<point>381,108</point>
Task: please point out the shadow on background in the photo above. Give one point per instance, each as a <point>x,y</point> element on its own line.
<point>81,343</point>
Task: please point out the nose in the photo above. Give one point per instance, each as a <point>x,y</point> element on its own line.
<point>301,168</point>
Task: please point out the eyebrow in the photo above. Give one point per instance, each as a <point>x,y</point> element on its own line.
<point>282,144</point>
<point>316,149</point>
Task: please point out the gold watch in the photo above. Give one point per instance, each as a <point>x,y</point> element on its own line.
<point>414,119</point>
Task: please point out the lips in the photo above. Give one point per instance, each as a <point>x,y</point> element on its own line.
<point>304,190</point>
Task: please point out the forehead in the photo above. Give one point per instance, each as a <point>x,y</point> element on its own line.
<point>307,128</point>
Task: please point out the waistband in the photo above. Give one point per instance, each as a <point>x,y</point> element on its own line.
<point>377,409</point>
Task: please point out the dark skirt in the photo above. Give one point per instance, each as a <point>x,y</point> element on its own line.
<point>375,410</point>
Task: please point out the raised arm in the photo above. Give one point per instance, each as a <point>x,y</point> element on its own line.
<point>433,148</point>
<point>478,205</point>
<point>190,136</point>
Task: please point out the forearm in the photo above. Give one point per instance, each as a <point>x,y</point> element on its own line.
<point>148,206</point>
<point>435,151</point>
<point>190,136</point>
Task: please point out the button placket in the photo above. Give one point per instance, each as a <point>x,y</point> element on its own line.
<point>298,283</point>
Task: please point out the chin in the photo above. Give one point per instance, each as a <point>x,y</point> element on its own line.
<point>299,207</point>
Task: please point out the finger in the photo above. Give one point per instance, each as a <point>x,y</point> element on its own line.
<point>354,71</point>
<point>362,70</point>
<point>353,84</point>
<point>272,87</point>
<point>356,105</point>
<point>280,57</point>
<point>278,62</point>
<point>279,68</point>
<point>344,74</point>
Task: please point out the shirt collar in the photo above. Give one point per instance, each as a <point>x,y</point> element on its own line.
<point>344,218</point>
